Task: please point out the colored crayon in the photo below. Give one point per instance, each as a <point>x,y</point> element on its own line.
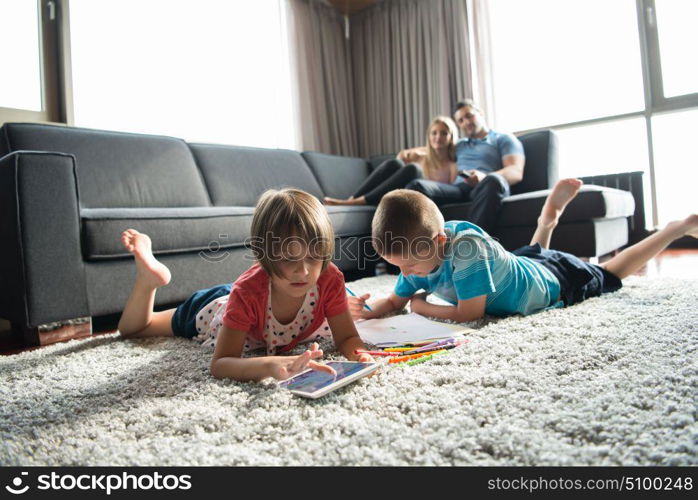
<point>425,358</point>
<point>376,353</point>
<point>401,359</point>
<point>427,348</point>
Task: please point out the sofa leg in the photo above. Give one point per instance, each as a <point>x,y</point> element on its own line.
<point>51,333</point>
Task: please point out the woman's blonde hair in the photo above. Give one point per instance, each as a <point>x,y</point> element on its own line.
<point>431,162</point>
<point>288,215</point>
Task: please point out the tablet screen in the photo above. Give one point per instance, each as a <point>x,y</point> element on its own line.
<point>314,380</point>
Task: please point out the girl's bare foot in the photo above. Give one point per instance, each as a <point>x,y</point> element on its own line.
<point>150,271</point>
<point>350,201</point>
<point>563,192</point>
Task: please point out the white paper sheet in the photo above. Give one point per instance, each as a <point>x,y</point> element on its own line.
<point>405,328</point>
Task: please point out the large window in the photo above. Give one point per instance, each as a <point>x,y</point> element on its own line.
<point>678,40</point>
<point>564,61</point>
<point>615,79</point>
<point>22,88</point>
<point>676,164</point>
<point>206,71</point>
<point>31,77</point>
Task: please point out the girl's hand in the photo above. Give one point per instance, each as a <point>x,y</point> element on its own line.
<point>283,367</point>
<point>356,306</point>
<point>417,302</point>
<point>365,358</point>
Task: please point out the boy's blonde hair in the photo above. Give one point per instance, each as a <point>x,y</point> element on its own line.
<point>287,215</point>
<point>404,221</point>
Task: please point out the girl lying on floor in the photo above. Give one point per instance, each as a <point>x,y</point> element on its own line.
<point>292,294</point>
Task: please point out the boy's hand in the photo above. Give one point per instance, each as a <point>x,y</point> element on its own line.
<point>356,306</point>
<point>283,367</point>
<point>417,303</point>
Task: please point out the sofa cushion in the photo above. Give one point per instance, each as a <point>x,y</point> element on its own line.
<point>540,168</point>
<point>351,221</point>
<point>206,229</point>
<point>456,211</point>
<point>237,176</point>
<point>592,202</point>
<point>117,169</point>
<point>172,230</point>
<point>589,238</point>
<point>338,176</point>
<point>375,161</point>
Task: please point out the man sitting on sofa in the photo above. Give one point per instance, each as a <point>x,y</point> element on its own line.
<point>493,162</point>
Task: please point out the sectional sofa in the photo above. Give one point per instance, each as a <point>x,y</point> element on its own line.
<point>67,193</point>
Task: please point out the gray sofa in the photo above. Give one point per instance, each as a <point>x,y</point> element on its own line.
<point>67,193</point>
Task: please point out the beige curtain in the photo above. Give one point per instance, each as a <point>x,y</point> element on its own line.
<point>482,56</point>
<point>405,62</point>
<point>411,61</point>
<point>320,62</point>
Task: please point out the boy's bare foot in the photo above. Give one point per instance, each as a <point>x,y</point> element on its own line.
<point>691,224</point>
<point>563,192</point>
<point>350,201</point>
<point>149,270</point>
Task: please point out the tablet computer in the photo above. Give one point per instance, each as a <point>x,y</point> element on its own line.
<point>315,384</point>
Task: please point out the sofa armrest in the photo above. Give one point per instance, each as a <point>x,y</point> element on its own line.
<point>632,182</point>
<point>41,264</point>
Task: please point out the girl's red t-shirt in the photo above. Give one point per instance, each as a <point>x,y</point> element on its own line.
<point>248,300</point>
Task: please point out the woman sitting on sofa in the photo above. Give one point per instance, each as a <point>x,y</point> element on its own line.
<point>435,161</point>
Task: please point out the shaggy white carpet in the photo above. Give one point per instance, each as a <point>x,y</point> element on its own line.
<point>611,381</point>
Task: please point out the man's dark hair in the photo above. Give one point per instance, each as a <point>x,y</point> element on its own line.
<point>466,103</point>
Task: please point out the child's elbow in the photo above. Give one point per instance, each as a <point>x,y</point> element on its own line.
<point>215,369</point>
<point>465,317</point>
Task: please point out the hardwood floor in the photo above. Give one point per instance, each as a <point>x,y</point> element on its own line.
<point>675,263</point>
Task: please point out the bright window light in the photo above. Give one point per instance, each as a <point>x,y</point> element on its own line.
<point>678,40</point>
<point>674,164</point>
<point>206,71</point>
<point>20,80</point>
<point>558,62</point>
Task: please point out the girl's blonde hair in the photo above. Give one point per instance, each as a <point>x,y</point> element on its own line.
<point>431,162</point>
<point>287,215</point>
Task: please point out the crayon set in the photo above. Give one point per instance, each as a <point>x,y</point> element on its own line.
<point>415,354</point>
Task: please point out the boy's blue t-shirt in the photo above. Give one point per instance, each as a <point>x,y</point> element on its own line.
<point>486,154</point>
<point>475,264</point>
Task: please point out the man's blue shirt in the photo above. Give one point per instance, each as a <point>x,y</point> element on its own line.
<point>475,264</point>
<point>486,154</point>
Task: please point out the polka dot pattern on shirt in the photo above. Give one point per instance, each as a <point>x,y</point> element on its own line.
<point>276,335</point>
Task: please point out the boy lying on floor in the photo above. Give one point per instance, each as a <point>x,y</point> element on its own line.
<point>460,263</point>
